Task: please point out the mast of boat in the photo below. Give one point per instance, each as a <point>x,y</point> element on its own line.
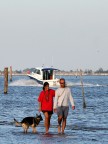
<point>52,67</point>
<point>42,65</point>
<point>52,62</point>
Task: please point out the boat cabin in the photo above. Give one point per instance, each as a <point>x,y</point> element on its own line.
<point>45,73</point>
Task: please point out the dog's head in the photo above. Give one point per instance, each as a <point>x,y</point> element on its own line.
<point>39,117</point>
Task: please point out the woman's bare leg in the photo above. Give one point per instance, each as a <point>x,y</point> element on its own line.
<point>47,121</point>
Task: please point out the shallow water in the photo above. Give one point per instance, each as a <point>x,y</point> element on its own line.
<point>84,126</point>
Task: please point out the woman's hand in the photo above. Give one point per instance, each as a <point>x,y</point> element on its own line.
<point>39,110</point>
<point>55,110</point>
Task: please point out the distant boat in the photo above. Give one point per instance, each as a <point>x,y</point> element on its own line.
<point>42,75</point>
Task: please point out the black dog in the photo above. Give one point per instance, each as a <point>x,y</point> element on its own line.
<point>29,122</point>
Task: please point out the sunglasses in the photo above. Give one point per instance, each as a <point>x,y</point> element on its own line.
<point>62,83</point>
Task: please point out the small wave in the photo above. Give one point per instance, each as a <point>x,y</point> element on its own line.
<point>24,82</point>
<point>76,127</point>
<point>84,84</point>
<point>91,85</point>
<point>6,123</point>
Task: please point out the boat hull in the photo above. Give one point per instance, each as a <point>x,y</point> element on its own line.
<point>53,82</point>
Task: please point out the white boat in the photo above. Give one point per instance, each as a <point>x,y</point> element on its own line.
<point>42,75</point>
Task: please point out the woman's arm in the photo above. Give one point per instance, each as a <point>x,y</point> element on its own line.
<point>39,105</point>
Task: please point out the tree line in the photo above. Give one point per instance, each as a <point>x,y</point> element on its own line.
<point>87,71</point>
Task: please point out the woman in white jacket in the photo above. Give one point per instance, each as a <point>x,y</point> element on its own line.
<point>61,104</point>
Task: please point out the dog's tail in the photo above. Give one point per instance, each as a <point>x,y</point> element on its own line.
<point>17,123</point>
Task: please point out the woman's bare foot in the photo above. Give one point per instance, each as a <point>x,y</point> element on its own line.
<point>46,132</point>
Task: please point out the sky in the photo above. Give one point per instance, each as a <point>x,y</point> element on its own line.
<point>65,34</point>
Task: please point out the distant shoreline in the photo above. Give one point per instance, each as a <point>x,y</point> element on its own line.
<point>65,74</point>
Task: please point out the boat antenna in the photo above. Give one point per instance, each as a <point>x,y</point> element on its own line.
<point>43,65</point>
<point>52,62</point>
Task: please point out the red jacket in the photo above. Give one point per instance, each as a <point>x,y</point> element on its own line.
<point>46,99</point>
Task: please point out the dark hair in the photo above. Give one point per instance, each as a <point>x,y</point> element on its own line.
<point>45,84</point>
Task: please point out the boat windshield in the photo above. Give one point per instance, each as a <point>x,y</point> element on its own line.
<point>37,71</point>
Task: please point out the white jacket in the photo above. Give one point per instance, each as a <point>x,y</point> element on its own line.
<point>62,97</point>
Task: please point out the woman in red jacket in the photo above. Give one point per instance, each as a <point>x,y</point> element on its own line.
<point>45,100</point>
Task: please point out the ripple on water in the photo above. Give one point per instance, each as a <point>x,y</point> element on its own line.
<point>84,126</point>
